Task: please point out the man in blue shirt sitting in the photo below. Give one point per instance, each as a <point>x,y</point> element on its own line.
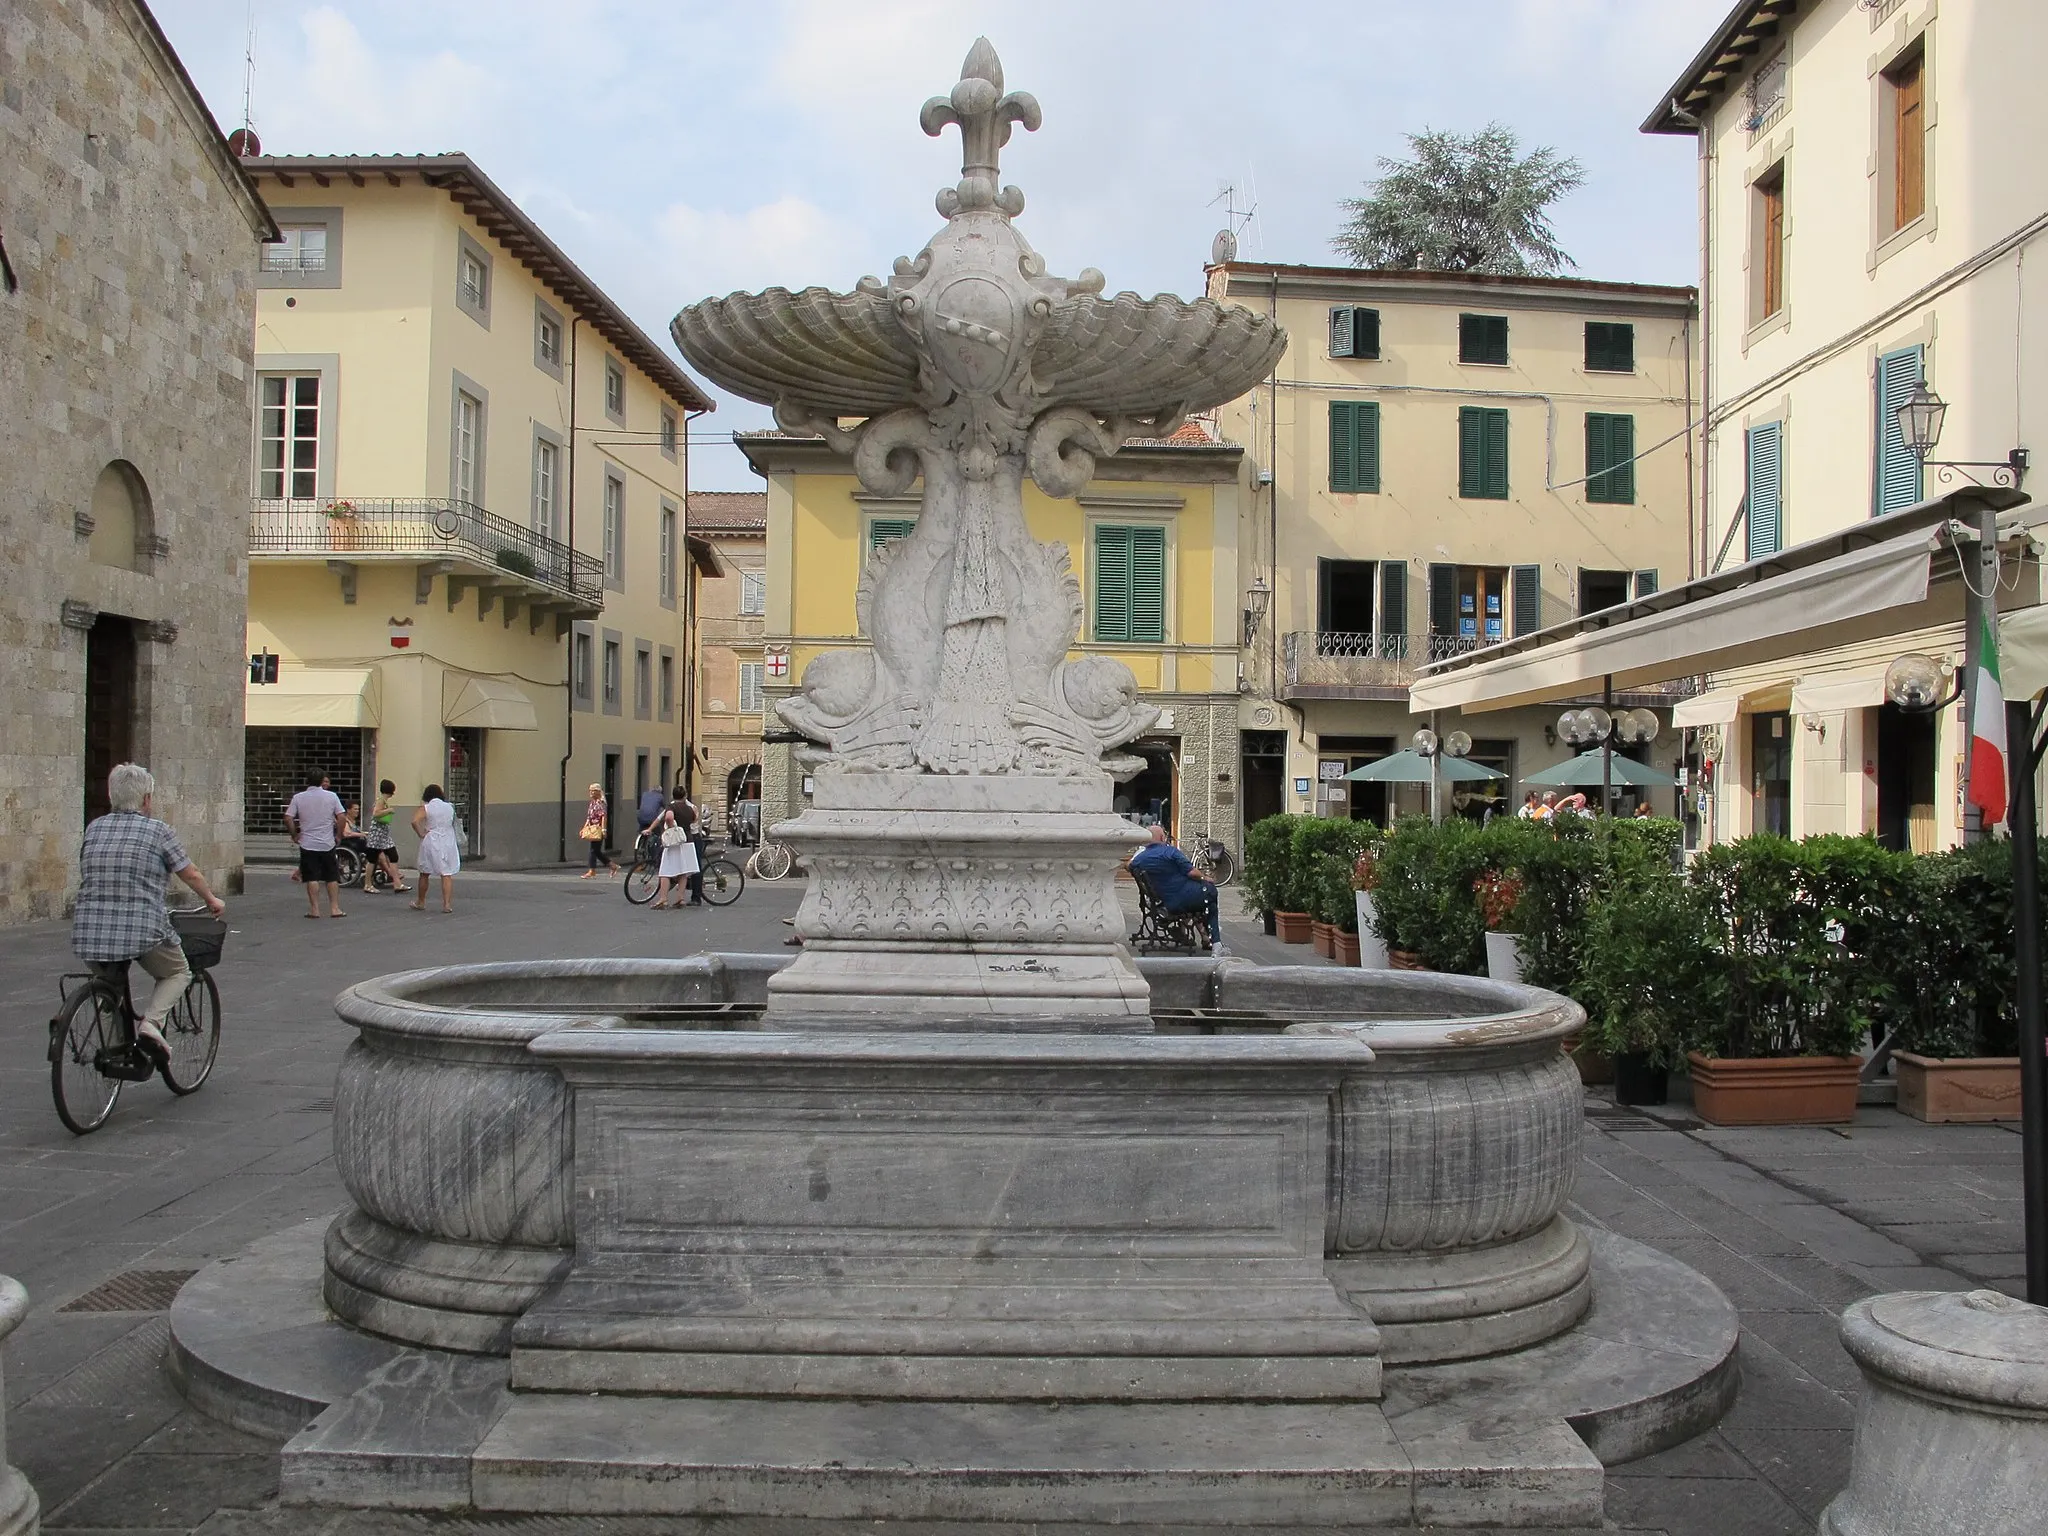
<point>1172,877</point>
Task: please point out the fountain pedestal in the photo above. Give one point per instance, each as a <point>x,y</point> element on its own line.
<point>983,898</point>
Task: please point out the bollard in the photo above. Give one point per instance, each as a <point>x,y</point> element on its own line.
<point>18,1507</point>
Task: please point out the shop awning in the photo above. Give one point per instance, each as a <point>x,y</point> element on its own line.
<point>2023,653</point>
<point>484,703</point>
<point>1834,693</point>
<point>1888,576</point>
<point>1717,706</point>
<point>334,696</point>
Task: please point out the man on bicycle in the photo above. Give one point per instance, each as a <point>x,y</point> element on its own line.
<point>121,916</point>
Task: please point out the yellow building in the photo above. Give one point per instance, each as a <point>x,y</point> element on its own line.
<point>1154,540</point>
<point>1442,460</point>
<point>467,554</point>
<point>726,701</point>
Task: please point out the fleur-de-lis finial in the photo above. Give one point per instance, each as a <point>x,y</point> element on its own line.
<point>983,114</point>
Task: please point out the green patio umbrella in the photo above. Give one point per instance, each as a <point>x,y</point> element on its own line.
<point>1411,767</point>
<point>1584,772</point>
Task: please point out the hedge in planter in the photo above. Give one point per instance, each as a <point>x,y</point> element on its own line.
<point>1269,881</point>
<point>1424,903</point>
<point>1324,850</point>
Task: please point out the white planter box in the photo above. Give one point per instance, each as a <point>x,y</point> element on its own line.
<point>1504,956</point>
<point>1372,949</point>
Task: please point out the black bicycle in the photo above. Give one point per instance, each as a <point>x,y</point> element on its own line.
<point>92,1039</point>
<point>723,879</point>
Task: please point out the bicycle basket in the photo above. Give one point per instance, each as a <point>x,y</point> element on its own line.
<point>201,935</point>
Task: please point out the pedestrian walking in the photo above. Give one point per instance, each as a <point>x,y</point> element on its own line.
<point>679,859</point>
<point>440,852</point>
<point>595,816</point>
<point>315,817</point>
<point>381,844</point>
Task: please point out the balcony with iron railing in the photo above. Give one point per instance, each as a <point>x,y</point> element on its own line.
<point>1343,664</point>
<point>474,549</point>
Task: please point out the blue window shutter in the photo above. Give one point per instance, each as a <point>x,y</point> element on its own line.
<point>1343,462</point>
<point>1112,583</point>
<point>1897,482</point>
<point>1148,585</point>
<point>1528,590</point>
<point>1765,452</point>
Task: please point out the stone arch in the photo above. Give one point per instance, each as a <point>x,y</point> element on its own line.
<point>123,522</point>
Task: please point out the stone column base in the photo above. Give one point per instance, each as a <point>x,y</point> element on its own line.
<point>937,899</point>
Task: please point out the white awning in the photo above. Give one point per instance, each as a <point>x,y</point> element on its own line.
<point>1718,706</point>
<point>2023,653</point>
<point>1834,693</point>
<point>485,703</point>
<point>335,696</point>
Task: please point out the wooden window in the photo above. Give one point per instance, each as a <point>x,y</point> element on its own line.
<point>1130,584</point>
<point>1483,339</point>
<point>1467,607</point>
<point>668,554</point>
<point>579,671</point>
<point>611,673</point>
<point>614,533</point>
<point>1482,453</point>
<point>303,249</point>
<point>753,593</point>
<point>288,436</point>
<point>1610,458</point>
<point>643,681</point>
<point>1896,482</point>
<point>1770,243</point>
<point>547,341</point>
<point>1905,85</point>
<point>547,465</point>
<point>1354,332</point>
<point>668,701</point>
<point>469,439</point>
<point>1610,347</point>
<point>750,687</point>
<point>668,432</point>
<point>1355,446</point>
<point>1763,482</point>
<point>614,389</point>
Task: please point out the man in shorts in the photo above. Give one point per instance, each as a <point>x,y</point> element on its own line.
<point>315,817</point>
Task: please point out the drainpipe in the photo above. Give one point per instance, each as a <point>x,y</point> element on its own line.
<point>569,651</point>
<point>1273,510</point>
<point>687,597</point>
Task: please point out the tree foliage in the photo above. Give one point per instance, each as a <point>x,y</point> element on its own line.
<point>1464,203</point>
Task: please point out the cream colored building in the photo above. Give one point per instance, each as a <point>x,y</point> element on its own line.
<point>1872,191</point>
<point>1443,460</point>
<point>1154,542</point>
<point>730,665</point>
<point>467,552</point>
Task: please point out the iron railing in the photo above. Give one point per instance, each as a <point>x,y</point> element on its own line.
<point>423,527</point>
<point>1331,658</point>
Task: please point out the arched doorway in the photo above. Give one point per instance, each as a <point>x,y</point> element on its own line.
<point>743,804</point>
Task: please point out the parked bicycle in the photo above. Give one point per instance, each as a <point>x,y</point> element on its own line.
<point>1214,861</point>
<point>93,1053</point>
<point>723,880</point>
<point>771,861</point>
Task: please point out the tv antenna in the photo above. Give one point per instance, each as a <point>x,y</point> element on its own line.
<point>1224,247</point>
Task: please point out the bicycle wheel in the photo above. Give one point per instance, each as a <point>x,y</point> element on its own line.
<point>1222,868</point>
<point>771,861</point>
<point>641,882</point>
<point>723,882</point>
<point>348,865</point>
<point>88,1023</point>
<point>192,1030</point>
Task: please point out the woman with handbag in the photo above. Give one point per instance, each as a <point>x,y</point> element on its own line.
<point>595,815</point>
<point>678,853</point>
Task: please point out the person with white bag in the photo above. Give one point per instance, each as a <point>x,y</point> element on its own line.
<point>678,852</point>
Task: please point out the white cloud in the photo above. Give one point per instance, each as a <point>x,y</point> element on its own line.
<point>789,241</point>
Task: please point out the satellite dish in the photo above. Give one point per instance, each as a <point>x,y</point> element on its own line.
<point>1223,248</point>
<point>243,144</point>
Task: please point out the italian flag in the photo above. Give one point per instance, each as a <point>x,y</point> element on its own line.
<point>1987,729</point>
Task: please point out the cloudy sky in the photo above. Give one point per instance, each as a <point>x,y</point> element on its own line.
<point>677,148</point>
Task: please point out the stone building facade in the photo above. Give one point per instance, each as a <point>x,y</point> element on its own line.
<point>132,240</point>
<point>731,667</point>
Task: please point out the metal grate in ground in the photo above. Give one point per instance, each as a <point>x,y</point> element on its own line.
<point>133,1290</point>
<point>317,1107</point>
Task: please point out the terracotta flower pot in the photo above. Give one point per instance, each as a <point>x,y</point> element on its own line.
<point>1405,960</point>
<point>1346,947</point>
<point>1323,936</point>
<point>1960,1088</point>
<point>1293,926</point>
<point>1792,1090</point>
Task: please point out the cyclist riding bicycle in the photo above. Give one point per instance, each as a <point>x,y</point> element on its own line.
<point>121,914</point>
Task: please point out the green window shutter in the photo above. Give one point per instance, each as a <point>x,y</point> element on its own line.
<point>886,530</point>
<point>1393,614</point>
<point>1482,338</point>
<point>1497,453</point>
<point>1443,599</point>
<point>1897,482</point>
<point>1343,463</point>
<point>1610,347</point>
<point>1646,583</point>
<point>1112,583</point>
<point>1355,446</point>
<point>1610,451</point>
<point>1148,585</point>
<point>1341,332</point>
<point>1471,451</point>
<point>1765,458</point>
<point>1528,594</point>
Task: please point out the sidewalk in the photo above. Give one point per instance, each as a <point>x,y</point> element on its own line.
<point>1792,1224</point>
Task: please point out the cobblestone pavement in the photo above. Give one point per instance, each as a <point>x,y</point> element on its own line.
<point>1792,1224</point>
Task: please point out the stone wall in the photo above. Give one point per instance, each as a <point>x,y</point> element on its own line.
<point>127,343</point>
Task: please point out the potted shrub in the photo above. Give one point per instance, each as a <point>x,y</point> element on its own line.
<point>1323,852</point>
<point>1424,904</point>
<point>1782,1049</point>
<point>1365,880</point>
<point>517,561</point>
<point>1648,968</point>
<point>1499,894</point>
<point>1954,1025</point>
<point>1269,868</point>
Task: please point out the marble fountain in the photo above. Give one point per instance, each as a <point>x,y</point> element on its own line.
<point>963,1217</point>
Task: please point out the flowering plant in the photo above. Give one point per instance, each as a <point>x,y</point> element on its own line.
<point>1365,870</point>
<point>341,509</point>
<point>1499,893</point>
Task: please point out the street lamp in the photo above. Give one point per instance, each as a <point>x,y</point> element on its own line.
<point>1921,415</point>
<point>1595,726</point>
<point>1920,685</point>
<point>1256,600</point>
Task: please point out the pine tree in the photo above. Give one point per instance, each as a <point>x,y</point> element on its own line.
<point>1464,203</point>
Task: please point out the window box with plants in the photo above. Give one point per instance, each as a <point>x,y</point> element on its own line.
<point>1270,882</point>
<point>1500,900</point>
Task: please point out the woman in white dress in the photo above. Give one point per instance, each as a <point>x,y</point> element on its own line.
<point>440,854</point>
<point>678,853</point>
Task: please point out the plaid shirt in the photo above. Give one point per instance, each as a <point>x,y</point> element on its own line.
<point>122,867</point>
